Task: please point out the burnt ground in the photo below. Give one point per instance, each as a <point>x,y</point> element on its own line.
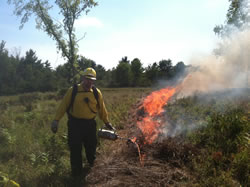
<point>164,163</point>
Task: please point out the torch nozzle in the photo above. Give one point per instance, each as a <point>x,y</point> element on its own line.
<point>129,140</point>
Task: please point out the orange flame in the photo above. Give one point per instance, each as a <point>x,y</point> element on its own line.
<point>153,106</point>
<point>141,157</point>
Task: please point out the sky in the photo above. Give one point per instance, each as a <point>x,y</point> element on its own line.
<point>149,30</point>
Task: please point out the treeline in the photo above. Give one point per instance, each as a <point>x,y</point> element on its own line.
<point>30,74</point>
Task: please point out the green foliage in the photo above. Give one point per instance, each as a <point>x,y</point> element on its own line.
<point>136,70</point>
<point>241,166</point>
<point>237,17</point>
<point>224,131</point>
<point>29,74</point>
<point>218,124</point>
<point>152,72</point>
<point>166,68</point>
<point>63,33</point>
<point>123,73</point>
<point>62,92</point>
<point>209,174</point>
<point>30,153</point>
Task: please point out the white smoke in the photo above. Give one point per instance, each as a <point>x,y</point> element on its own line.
<point>229,70</point>
<point>211,73</point>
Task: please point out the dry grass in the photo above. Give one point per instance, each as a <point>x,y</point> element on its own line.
<point>118,163</point>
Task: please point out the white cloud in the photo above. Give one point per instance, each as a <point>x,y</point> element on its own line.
<point>88,22</point>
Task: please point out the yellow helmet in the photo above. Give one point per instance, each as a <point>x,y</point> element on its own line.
<point>89,73</point>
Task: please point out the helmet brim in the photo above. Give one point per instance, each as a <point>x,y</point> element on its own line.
<point>91,78</point>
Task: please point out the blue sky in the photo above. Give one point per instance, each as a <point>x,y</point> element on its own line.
<point>150,30</point>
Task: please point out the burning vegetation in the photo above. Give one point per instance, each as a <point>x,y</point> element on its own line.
<point>170,141</point>
<point>150,124</point>
<point>172,145</point>
<point>193,133</point>
<point>144,159</point>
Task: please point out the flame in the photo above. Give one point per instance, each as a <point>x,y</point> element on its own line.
<point>153,103</point>
<point>153,106</point>
<point>141,157</point>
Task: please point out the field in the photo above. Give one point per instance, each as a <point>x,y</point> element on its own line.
<point>208,143</point>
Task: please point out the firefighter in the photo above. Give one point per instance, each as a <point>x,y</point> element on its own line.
<point>82,110</point>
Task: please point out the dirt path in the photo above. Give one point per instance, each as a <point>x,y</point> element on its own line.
<point>164,163</point>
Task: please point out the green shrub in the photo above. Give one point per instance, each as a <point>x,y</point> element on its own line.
<point>222,131</point>
<point>241,166</point>
<point>29,98</point>
<point>62,92</point>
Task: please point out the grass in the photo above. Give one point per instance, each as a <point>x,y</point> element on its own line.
<point>30,153</point>
<point>216,124</point>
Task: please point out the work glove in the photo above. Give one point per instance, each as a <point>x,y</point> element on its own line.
<point>54,126</point>
<point>109,126</point>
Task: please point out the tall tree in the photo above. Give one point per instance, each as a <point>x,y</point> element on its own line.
<point>123,73</point>
<point>4,68</point>
<point>136,70</point>
<point>179,67</point>
<point>63,33</point>
<point>125,60</point>
<point>28,72</point>
<point>237,17</point>
<point>165,68</point>
<point>85,63</point>
<point>152,72</point>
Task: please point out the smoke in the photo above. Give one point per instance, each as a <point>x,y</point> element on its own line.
<point>212,73</point>
<point>214,77</point>
<point>224,74</point>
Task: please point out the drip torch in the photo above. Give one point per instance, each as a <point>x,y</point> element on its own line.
<point>111,135</point>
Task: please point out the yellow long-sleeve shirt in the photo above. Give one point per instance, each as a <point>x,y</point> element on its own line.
<point>81,108</point>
